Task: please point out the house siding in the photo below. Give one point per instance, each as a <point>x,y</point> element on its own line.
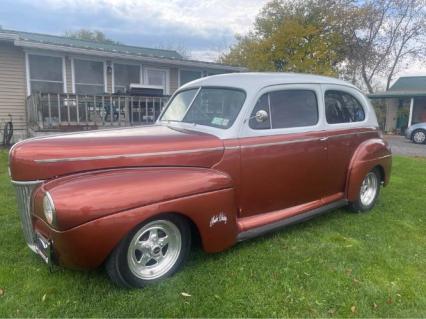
<point>68,74</point>
<point>13,88</point>
<point>174,80</point>
<point>109,77</point>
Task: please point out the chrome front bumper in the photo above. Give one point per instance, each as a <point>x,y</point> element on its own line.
<point>43,248</point>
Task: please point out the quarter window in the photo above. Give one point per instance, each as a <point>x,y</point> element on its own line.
<point>46,74</point>
<point>287,109</point>
<point>342,107</point>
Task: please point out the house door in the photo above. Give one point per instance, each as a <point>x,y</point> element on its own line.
<point>283,158</point>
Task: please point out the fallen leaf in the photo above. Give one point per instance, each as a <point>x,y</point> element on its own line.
<point>375,305</point>
<point>43,298</point>
<point>332,311</point>
<point>398,295</point>
<point>389,301</point>
<point>216,296</point>
<point>1,292</point>
<point>353,309</point>
<point>356,281</point>
<point>185,294</point>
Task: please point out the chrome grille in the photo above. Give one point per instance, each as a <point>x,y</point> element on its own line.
<point>23,196</point>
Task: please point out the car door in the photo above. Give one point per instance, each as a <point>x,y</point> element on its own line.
<point>283,158</point>
<point>345,120</point>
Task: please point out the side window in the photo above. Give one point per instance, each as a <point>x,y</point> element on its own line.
<point>293,108</point>
<point>287,108</point>
<point>342,107</point>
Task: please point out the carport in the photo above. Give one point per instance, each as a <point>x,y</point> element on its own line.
<point>402,105</point>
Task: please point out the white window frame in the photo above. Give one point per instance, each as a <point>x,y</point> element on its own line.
<point>48,54</point>
<point>247,131</point>
<point>84,58</point>
<point>141,78</point>
<point>202,73</point>
<point>167,84</point>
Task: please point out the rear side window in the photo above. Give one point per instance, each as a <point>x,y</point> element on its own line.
<point>342,107</point>
<point>287,109</point>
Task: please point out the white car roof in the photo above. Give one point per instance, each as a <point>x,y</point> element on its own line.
<point>257,80</point>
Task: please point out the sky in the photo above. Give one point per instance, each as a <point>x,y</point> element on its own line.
<point>204,27</point>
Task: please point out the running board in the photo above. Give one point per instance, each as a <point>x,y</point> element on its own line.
<point>261,230</point>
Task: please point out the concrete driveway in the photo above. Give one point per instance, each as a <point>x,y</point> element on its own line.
<point>401,146</point>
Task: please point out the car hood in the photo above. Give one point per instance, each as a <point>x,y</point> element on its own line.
<point>157,145</point>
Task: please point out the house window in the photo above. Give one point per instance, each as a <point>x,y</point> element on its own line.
<point>45,74</point>
<point>89,77</point>
<point>124,75</point>
<point>186,76</point>
<point>156,77</point>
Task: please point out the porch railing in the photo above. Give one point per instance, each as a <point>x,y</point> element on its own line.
<point>48,111</point>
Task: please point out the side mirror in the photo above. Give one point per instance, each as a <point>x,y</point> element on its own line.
<point>261,116</point>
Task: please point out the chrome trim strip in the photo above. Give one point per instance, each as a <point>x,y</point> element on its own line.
<point>350,134</point>
<point>106,157</point>
<point>281,143</point>
<point>305,140</point>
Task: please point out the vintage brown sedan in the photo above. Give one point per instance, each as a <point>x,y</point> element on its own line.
<point>231,157</point>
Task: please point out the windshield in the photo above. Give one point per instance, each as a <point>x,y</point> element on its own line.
<point>217,107</point>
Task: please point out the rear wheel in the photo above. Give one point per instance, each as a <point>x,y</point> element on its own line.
<point>368,192</point>
<point>419,136</point>
<point>151,252</point>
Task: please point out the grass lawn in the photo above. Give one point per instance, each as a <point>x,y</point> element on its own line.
<point>337,265</point>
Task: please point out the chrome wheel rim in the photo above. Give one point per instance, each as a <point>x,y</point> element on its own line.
<point>369,189</point>
<point>154,249</point>
<point>419,137</point>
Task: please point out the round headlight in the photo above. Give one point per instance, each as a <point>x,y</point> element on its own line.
<point>49,208</point>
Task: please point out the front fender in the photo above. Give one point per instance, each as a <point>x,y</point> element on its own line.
<point>86,197</point>
<point>89,244</point>
<point>369,154</point>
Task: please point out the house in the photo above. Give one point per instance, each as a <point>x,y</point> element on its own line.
<point>403,104</point>
<point>53,83</point>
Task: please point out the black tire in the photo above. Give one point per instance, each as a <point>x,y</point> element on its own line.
<point>422,134</point>
<point>360,205</point>
<point>118,266</point>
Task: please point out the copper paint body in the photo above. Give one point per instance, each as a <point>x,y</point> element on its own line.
<point>106,183</point>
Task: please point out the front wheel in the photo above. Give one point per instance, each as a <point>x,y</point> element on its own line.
<point>151,252</point>
<point>368,192</point>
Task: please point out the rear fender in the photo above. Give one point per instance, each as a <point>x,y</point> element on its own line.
<point>369,154</point>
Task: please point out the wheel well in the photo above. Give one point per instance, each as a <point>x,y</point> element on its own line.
<point>381,172</point>
<point>195,233</point>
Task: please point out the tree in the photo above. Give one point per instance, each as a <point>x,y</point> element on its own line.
<point>389,33</point>
<point>90,35</point>
<point>295,36</point>
<point>366,42</point>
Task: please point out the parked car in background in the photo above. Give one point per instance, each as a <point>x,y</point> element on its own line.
<point>231,157</point>
<point>416,133</point>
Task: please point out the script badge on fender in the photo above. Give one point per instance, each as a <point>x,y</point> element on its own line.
<point>220,218</point>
